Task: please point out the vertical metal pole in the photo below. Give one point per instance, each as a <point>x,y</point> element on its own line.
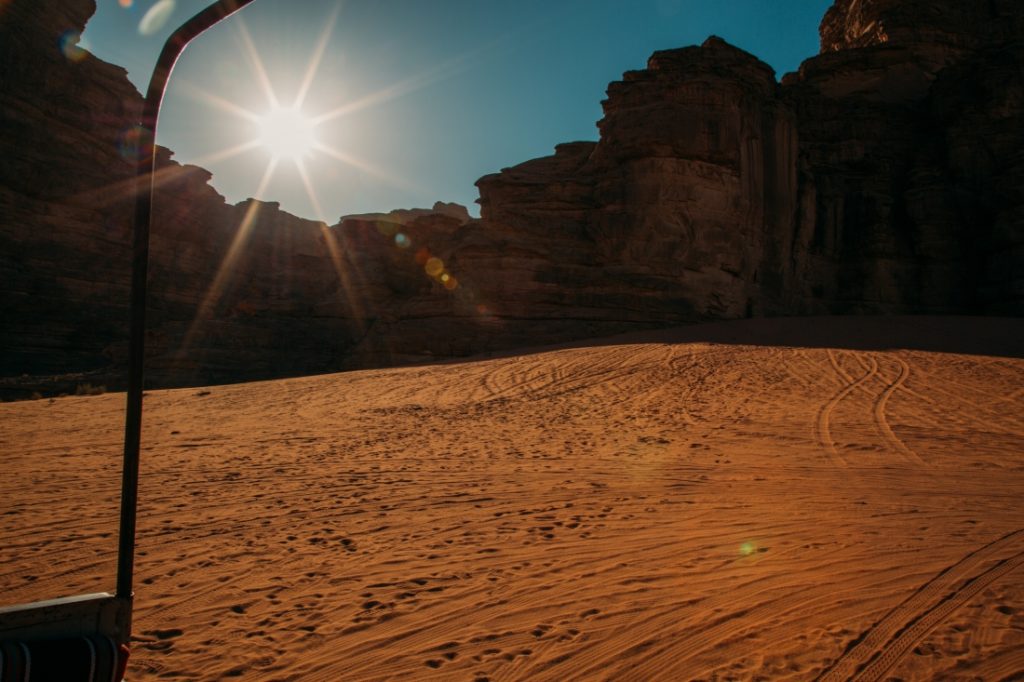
<point>145,175</point>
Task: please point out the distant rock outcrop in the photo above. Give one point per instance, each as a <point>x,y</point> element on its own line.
<point>885,176</point>
<point>403,216</point>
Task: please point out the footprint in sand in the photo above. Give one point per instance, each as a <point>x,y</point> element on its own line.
<point>540,630</point>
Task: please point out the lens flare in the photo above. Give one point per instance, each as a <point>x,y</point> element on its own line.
<point>402,241</point>
<point>125,3</point>
<point>434,267</point>
<point>69,46</point>
<point>156,17</point>
<point>131,143</point>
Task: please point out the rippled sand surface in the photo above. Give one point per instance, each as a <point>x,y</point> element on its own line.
<point>795,499</point>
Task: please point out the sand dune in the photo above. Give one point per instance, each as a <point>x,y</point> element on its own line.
<point>798,499</point>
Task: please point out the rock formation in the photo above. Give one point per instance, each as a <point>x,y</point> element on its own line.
<point>910,149</point>
<point>404,216</point>
<point>65,118</point>
<point>883,177</point>
<point>887,175</point>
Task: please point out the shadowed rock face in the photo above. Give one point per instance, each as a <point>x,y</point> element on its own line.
<point>885,176</point>
<point>899,120</point>
<point>64,233</point>
<point>666,218</point>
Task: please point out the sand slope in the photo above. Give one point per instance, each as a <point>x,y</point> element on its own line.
<point>672,506</point>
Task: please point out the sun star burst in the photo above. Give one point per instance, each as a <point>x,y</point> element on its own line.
<point>287,133</point>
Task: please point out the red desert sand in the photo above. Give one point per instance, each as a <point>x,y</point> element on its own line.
<point>770,499</point>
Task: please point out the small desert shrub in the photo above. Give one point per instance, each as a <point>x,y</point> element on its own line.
<point>89,389</point>
<point>36,395</point>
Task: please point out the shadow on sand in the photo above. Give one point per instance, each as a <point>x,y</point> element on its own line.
<point>987,336</point>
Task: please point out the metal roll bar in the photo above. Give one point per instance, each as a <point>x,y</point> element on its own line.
<point>52,633</point>
<point>144,178</point>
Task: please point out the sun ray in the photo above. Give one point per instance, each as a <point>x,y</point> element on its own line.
<point>123,190</point>
<point>215,289</point>
<point>301,166</point>
<point>318,55</point>
<point>429,77</point>
<point>345,278</point>
<point>218,102</point>
<point>347,290</point>
<point>366,167</point>
<point>225,154</point>
<point>257,64</point>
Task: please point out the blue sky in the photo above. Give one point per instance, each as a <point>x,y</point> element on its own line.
<point>445,91</point>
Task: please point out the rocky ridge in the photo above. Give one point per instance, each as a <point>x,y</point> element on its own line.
<point>885,176</point>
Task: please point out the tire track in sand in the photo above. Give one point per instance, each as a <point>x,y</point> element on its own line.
<point>823,426</point>
<point>882,421</point>
<point>888,640</point>
<point>881,400</point>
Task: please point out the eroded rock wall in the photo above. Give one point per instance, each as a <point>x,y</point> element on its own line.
<point>906,124</point>
<point>63,248</point>
<point>885,176</point>
<point>236,292</point>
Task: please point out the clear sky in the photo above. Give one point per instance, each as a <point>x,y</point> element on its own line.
<point>410,101</point>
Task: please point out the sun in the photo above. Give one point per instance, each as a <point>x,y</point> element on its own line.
<point>287,133</point>
<point>284,131</point>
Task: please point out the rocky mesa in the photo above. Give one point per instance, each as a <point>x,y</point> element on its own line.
<point>886,176</point>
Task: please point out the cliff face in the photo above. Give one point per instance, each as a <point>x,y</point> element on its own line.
<point>949,29</point>
<point>666,218</point>
<point>886,176</point>
<point>63,242</point>
<point>905,136</point>
<point>883,177</point>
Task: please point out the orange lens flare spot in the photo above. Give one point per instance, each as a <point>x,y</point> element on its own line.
<point>422,256</point>
<point>125,3</point>
<point>451,284</point>
<point>434,267</point>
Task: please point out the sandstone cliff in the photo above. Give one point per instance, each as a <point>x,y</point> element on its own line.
<point>910,143</point>
<point>885,176</point>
